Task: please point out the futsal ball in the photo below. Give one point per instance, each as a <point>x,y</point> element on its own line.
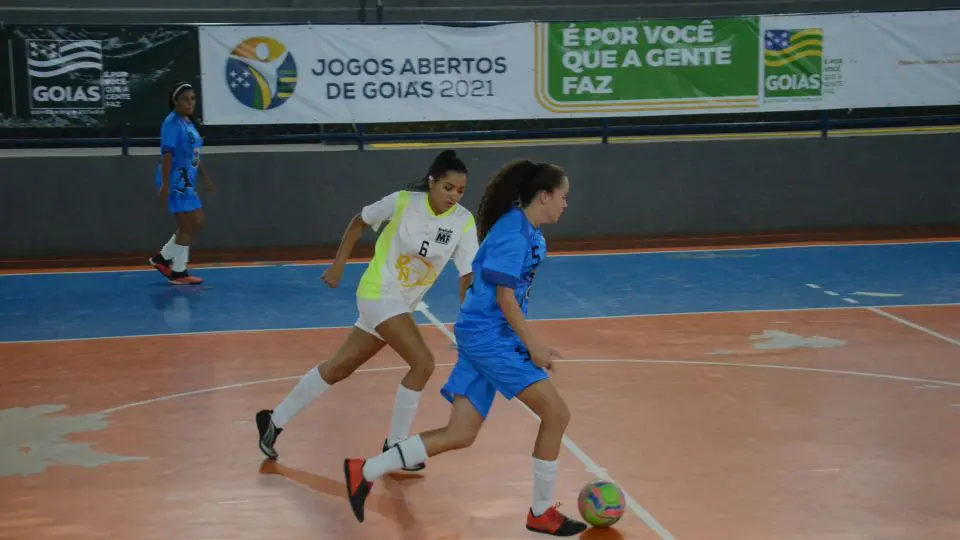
<point>601,503</point>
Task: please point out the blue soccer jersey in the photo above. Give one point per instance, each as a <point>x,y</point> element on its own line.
<point>180,138</point>
<point>509,257</point>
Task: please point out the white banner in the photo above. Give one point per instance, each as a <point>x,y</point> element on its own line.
<point>377,74</point>
<point>347,74</point>
<point>861,60</point>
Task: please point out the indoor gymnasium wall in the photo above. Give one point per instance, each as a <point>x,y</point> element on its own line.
<point>60,206</point>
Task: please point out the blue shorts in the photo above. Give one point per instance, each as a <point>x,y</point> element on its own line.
<point>183,202</point>
<point>186,200</point>
<point>480,373</point>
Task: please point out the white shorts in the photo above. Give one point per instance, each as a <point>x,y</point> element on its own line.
<point>374,312</point>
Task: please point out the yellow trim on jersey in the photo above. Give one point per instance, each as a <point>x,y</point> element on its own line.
<point>470,224</point>
<point>370,283</point>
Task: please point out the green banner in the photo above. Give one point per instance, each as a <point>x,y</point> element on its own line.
<point>633,62</point>
<point>97,76</point>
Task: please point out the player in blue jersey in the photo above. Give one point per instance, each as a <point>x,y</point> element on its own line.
<point>497,350</point>
<point>176,183</point>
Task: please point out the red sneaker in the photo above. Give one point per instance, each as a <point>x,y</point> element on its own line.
<point>554,523</point>
<point>357,486</point>
<point>162,265</point>
<point>183,278</point>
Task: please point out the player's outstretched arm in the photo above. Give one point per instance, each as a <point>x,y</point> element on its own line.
<point>349,240</point>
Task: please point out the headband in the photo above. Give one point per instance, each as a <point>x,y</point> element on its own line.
<point>181,88</point>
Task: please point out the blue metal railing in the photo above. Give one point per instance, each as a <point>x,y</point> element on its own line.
<point>602,133</point>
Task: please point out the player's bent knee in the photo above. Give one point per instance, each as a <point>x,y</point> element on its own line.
<point>462,438</point>
<point>333,372</point>
<point>558,415</point>
<point>422,368</point>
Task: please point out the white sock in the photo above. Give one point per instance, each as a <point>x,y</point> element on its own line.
<point>544,481</point>
<point>308,389</point>
<point>404,409</point>
<point>168,250</point>
<point>180,258</point>
<point>412,450</point>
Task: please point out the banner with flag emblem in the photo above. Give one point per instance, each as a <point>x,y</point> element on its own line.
<point>105,77</point>
<point>53,68</point>
<point>302,74</point>
<point>860,60</point>
<point>110,77</point>
<point>793,62</point>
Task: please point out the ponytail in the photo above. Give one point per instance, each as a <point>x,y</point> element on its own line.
<point>447,161</point>
<point>517,183</point>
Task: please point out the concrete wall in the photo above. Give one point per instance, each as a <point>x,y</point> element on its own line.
<point>61,206</point>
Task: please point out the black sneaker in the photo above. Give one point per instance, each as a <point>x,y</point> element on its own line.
<point>407,468</point>
<point>268,433</point>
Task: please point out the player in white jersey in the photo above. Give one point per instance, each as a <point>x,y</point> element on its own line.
<point>426,227</point>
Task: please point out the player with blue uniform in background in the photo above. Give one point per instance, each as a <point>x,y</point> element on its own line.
<point>497,351</point>
<point>176,184</point>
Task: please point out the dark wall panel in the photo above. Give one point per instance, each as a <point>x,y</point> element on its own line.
<point>83,205</point>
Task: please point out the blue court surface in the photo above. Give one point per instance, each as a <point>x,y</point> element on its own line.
<point>81,305</point>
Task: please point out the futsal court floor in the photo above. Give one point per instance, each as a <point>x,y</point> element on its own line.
<point>762,393</point>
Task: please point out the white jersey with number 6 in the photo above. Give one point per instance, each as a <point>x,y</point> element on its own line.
<point>415,246</point>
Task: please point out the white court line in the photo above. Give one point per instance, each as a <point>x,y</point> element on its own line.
<point>695,363</point>
<point>559,319</point>
<point>645,251</point>
<point>589,463</point>
<point>215,389</point>
<point>914,325</point>
<point>900,320</point>
<point>763,366</point>
<point>653,251</point>
<point>175,334</point>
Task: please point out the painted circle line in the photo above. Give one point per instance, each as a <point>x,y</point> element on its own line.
<point>569,361</point>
